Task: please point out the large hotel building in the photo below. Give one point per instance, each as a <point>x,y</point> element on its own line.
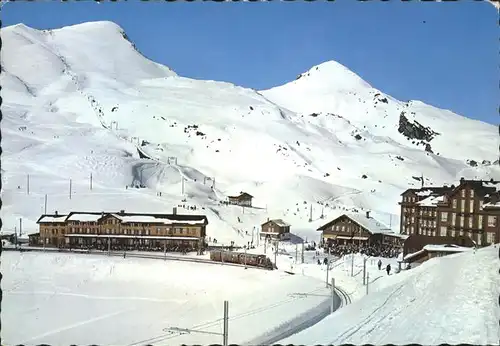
<point>121,230</point>
<point>470,209</point>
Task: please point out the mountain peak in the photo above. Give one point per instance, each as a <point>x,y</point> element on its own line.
<point>333,73</point>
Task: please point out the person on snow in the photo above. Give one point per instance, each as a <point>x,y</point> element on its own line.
<point>379,264</point>
<point>388,269</point>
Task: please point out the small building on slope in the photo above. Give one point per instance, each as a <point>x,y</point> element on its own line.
<point>275,229</point>
<point>243,199</point>
<point>433,250</point>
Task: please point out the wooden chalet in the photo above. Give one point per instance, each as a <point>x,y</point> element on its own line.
<point>358,229</point>
<point>275,229</point>
<point>243,199</point>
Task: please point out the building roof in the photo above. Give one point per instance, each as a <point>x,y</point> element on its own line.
<point>431,201</point>
<point>427,191</point>
<point>369,223</point>
<point>278,222</point>
<point>491,205</point>
<point>446,248</point>
<point>127,218</point>
<point>52,218</point>
<point>451,248</point>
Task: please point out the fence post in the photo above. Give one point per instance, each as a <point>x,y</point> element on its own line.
<point>333,295</point>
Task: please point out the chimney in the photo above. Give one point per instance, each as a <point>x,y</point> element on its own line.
<point>56,213</point>
<point>367,214</point>
<point>174,211</point>
<point>462,180</point>
<point>267,219</point>
<point>122,211</point>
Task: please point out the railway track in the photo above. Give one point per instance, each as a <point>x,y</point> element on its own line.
<point>345,298</point>
<point>141,255</point>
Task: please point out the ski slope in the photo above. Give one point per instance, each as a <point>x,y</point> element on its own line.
<point>448,300</point>
<point>81,101</point>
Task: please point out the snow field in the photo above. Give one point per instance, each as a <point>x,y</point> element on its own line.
<point>133,300</point>
<point>426,305</point>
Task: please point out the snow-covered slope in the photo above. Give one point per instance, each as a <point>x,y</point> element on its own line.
<point>403,308</point>
<point>81,100</point>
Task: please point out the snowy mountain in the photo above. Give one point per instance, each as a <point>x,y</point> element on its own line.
<point>83,108</point>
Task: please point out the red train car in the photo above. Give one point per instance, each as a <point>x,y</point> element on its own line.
<point>252,260</point>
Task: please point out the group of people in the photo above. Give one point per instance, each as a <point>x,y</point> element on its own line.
<point>184,249</point>
<point>374,250</point>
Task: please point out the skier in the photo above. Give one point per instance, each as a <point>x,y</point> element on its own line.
<point>379,264</point>
<point>388,269</point>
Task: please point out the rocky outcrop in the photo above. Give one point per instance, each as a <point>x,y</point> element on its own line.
<point>415,130</point>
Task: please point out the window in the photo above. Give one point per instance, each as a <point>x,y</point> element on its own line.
<point>453,219</point>
<point>442,231</point>
<point>492,221</point>
<point>461,221</point>
<point>471,193</point>
<point>490,237</point>
<point>480,222</point>
<point>462,205</point>
<point>462,193</point>
<point>454,203</point>
<point>479,239</point>
<point>412,230</point>
<point>452,233</point>
<point>480,205</point>
<point>444,217</point>
<point>470,222</point>
<point>471,205</point>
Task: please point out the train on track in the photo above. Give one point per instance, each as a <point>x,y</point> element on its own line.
<point>251,260</point>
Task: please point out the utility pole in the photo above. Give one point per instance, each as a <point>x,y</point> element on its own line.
<point>302,252</point>
<point>20,226</point>
<point>90,181</point>
<point>333,296</point>
<point>213,183</point>
<point>109,246</point>
<point>15,236</point>
<point>253,229</point>
<point>245,247</point>
<point>327,267</point>
<point>182,185</point>
<point>225,336</point>
<point>364,271</point>
<point>45,205</point>
<point>276,253</point>
<point>367,282</point>
<point>296,253</point>
<point>243,209</point>
<point>70,189</point>
<point>28,184</point>
<point>165,249</point>
<point>311,213</point>
<point>352,264</point>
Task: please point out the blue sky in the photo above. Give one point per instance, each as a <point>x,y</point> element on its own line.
<point>450,61</point>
